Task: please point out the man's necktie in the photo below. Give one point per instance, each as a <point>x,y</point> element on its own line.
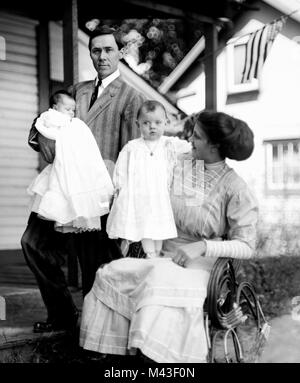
<point>95,94</point>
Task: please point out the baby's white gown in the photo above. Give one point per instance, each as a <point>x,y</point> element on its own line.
<point>142,179</point>
<point>74,191</point>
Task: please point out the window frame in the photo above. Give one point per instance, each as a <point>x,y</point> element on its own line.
<point>279,187</point>
<point>233,88</point>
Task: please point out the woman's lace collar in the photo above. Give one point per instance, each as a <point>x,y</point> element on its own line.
<point>215,166</point>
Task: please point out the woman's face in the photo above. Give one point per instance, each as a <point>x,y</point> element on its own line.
<point>201,147</point>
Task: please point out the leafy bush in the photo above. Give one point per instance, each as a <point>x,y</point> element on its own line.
<point>276,281</point>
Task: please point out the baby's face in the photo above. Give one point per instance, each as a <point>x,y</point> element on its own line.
<point>66,105</point>
<point>152,123</point>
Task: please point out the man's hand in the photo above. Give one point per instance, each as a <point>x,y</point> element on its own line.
<point>47,148</point>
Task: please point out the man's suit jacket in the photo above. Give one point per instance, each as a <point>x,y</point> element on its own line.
<point>112,118</point>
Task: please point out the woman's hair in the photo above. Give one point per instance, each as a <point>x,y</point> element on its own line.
<point>55,98</point>
<point>233,136</point>
<point>150,106</point>
<point>106,30</point>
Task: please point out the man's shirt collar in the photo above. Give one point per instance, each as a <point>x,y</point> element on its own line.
<point>107,80</point>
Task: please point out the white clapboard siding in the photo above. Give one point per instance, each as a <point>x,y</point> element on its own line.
<point>15,211</point>
<point>20,78</point>
<point>11,114</point>
<point>17,153</point>
<point>18,107</point>
<point>10,95</point>
<point>23,87</point>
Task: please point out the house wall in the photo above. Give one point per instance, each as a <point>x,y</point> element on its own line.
<point>274,114</point>
<point>18,107</point>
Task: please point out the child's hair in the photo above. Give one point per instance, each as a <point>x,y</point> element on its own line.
<point>150,106</point>
<point>56,97</point>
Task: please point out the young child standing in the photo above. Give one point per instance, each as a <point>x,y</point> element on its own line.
<point>142,210</point>
<point>76,190</point>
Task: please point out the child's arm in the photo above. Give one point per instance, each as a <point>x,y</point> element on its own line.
<point>120,175</point>
<point>181,146</point>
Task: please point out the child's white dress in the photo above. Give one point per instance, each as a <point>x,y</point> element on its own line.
<point>76,190</point>
<point>142,179</point>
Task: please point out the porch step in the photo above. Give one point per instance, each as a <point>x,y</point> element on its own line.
<point>20,344</point>
<point>24,306</point>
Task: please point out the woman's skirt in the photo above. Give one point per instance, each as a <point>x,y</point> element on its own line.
<point>151,304</point>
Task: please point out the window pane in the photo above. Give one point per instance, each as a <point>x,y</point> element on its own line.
<point>275,152</point>
<point>296,147</point>
<point>296,175</point>
<point>239,61</point>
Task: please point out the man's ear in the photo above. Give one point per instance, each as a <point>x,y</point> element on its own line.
<point>122,52</point>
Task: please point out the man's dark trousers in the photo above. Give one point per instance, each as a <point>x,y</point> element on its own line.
<point>45,251</point>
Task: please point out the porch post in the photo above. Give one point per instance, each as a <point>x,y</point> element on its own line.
<point>43,61</point>
<point>70,43</point>
<point>70,54</point>
<point>211,46</point>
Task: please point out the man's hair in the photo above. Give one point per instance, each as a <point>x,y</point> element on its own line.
<point>56,97</point>
<point>106,30</point>
<point>150,106</point>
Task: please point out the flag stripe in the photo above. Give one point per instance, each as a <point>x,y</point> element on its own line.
<point>261,45</point>
<point>258,48</point>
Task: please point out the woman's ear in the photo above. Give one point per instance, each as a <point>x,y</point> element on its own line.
<point>214,148</point>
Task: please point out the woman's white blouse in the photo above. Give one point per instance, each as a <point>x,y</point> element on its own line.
<point>210,202</point>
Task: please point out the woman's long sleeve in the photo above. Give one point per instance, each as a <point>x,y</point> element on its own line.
<point>242,215</point>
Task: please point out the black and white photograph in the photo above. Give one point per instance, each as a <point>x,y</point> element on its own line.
<point>149,185</point>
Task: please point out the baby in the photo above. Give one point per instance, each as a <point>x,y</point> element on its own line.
<point>76,190</point>
<point>142,210</point>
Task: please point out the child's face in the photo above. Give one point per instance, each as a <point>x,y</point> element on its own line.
<point>152,123</point>
<point>66,105</point>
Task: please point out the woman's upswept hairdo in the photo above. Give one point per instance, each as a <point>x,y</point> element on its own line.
<point>233,136</point>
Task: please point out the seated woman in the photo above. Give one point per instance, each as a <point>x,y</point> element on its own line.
<point>156,305</point>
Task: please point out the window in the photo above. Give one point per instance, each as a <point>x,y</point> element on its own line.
<point>283,165</point>
<point>2,48</point>
<point>236,54</point>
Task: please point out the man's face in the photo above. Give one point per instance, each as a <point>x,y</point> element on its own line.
<point>105,55</point>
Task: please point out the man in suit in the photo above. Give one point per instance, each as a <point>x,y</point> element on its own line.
<point>109,107</point>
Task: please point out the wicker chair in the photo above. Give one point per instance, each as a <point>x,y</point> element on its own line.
<point>231,311</point>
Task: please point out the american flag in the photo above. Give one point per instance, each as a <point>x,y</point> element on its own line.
<point>258,47</point>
